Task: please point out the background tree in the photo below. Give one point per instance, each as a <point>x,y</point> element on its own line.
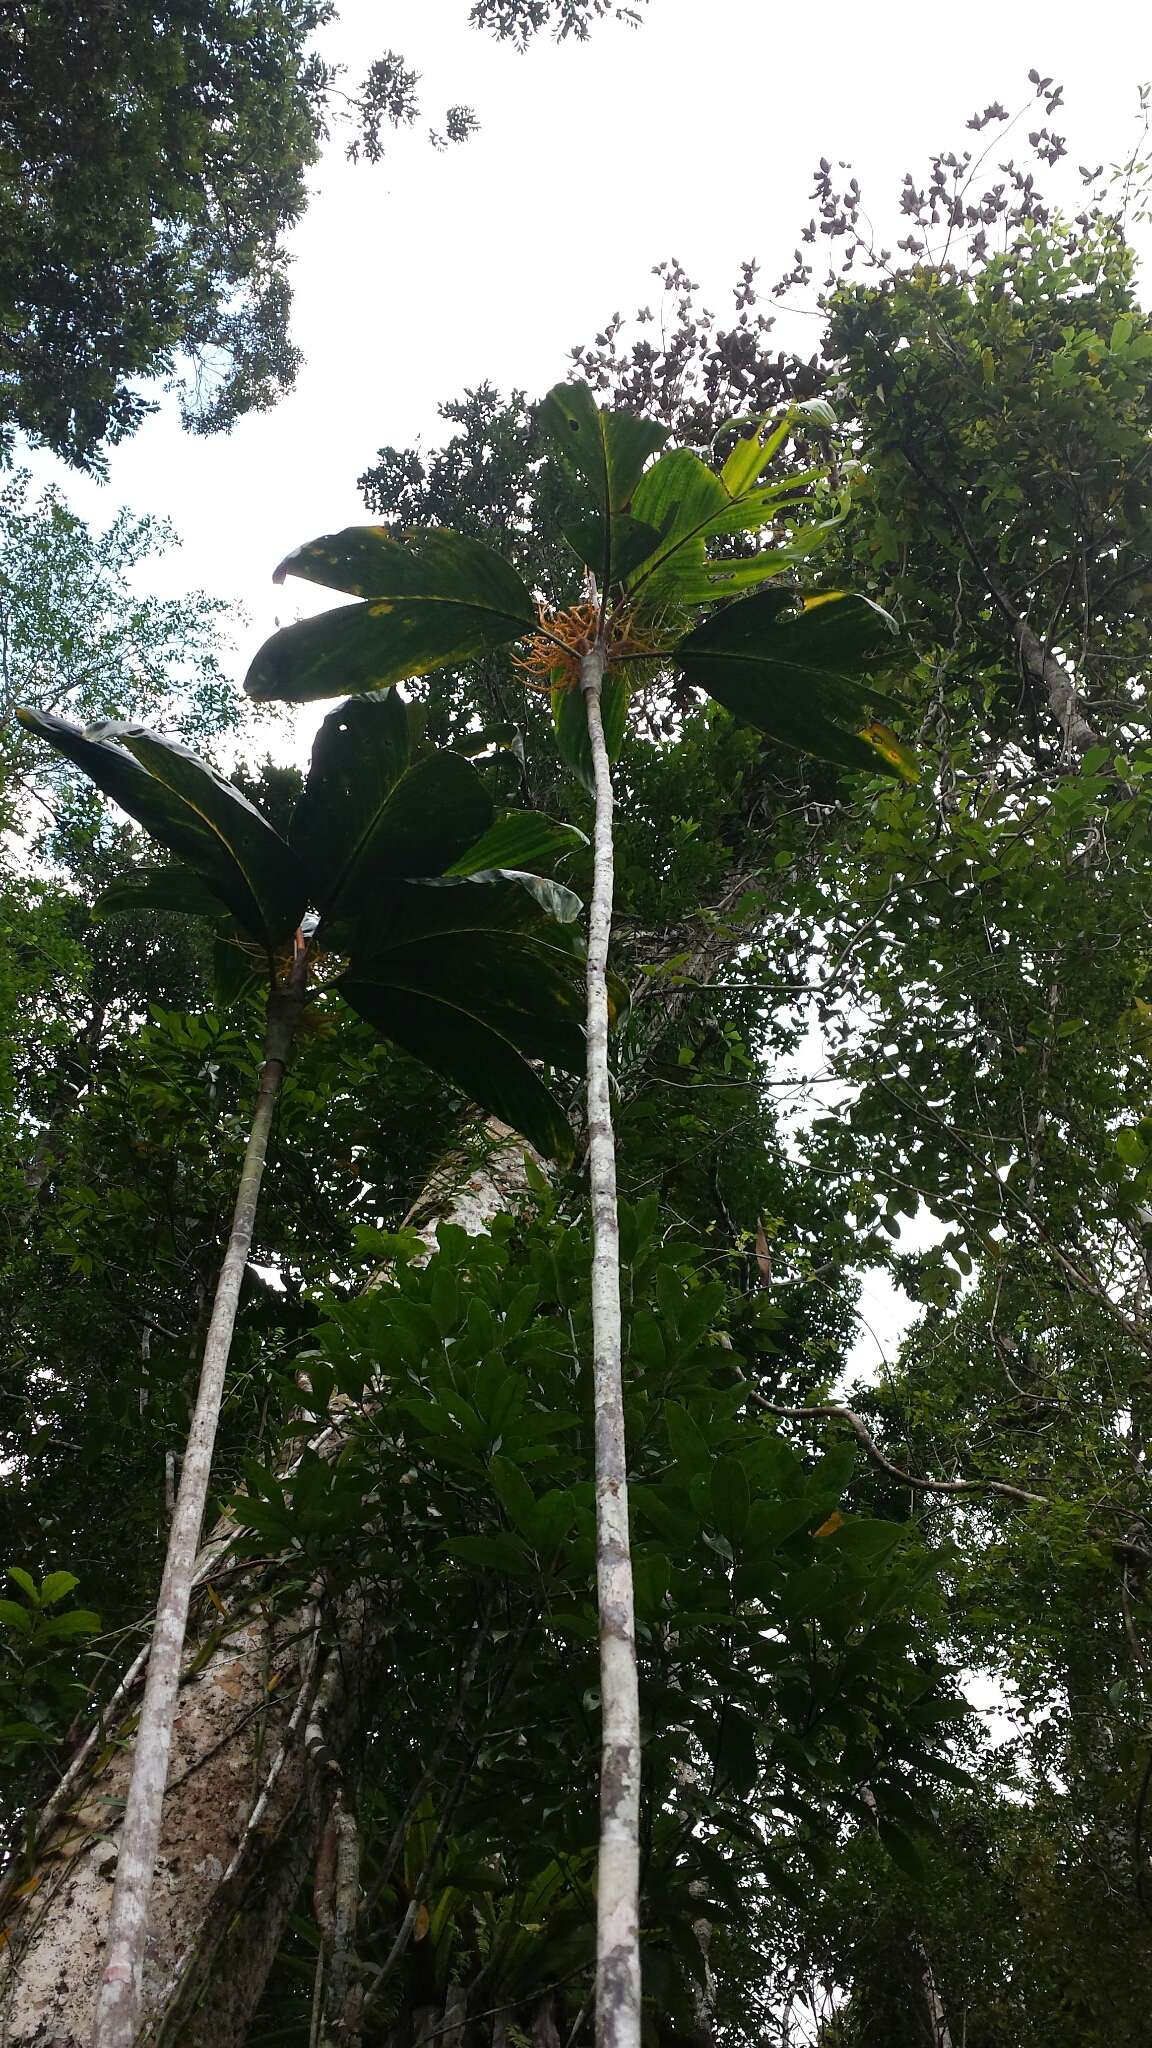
<point>152,162</point>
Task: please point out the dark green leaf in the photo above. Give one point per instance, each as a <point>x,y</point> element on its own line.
<point>519,839</point>
<point>729,1488</point>
<point>557,902</point>
<point>367,819</point>
<point>808,1593</point>
<point>905,1852</point>
<point>434,598</point>
<point>233,968</point>
<point>358,756</point>
<point>607,449</point>
<point>689,1447</point>
<point>442,1028</point>
<point>630,541</point>
<point>804,676</point>
<point>449,906</point>
<point>866,1540</point>
<point>25,1731</point>
<point>737,1758</point>
<point>501,1552</point>
<point>556,1511</point>
<point>664,1514</point>
<point>192,811</point>
<point>515,1495</point>
<point>80,1622</point>
<point>832,1472</point>
<point>168,888</point>
<point>771,1522</point>
<point>650,1577</point>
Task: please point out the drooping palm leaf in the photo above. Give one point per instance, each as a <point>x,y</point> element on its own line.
<point>192,811</point>
<point>155,888</point>
<point>465,975</point>
<point>802,669</point>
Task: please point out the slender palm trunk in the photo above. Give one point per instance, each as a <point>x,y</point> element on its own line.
<point>618,1883</point>
<point>118,2004</point>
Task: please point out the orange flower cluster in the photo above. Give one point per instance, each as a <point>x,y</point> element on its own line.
<point>551,658</point>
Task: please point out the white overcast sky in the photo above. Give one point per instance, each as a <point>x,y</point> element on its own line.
<point>692,136</point>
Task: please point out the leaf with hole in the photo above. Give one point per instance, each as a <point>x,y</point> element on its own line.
<point>606,451</point>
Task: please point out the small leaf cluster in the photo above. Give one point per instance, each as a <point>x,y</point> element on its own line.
<point>40,1690</point>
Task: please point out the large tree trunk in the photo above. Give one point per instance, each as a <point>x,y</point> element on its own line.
<point>264,1714</point>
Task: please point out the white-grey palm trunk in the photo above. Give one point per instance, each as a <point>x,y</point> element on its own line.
<point>118,2004</point>
<point>617,1929</point>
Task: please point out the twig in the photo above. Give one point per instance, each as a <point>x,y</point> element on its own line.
<point>839,1413</point>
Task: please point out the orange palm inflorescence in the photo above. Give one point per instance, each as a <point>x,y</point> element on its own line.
<point>551,658</point>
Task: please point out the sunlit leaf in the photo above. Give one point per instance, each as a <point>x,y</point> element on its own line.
<point>519,839</point>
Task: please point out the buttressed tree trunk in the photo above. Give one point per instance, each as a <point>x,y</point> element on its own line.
<point>267,1705</point>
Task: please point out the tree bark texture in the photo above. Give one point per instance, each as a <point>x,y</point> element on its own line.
<point>1056,685</point>
<point>263,1702</point>
<point>234,1711</point>
<point>618,1880</point>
